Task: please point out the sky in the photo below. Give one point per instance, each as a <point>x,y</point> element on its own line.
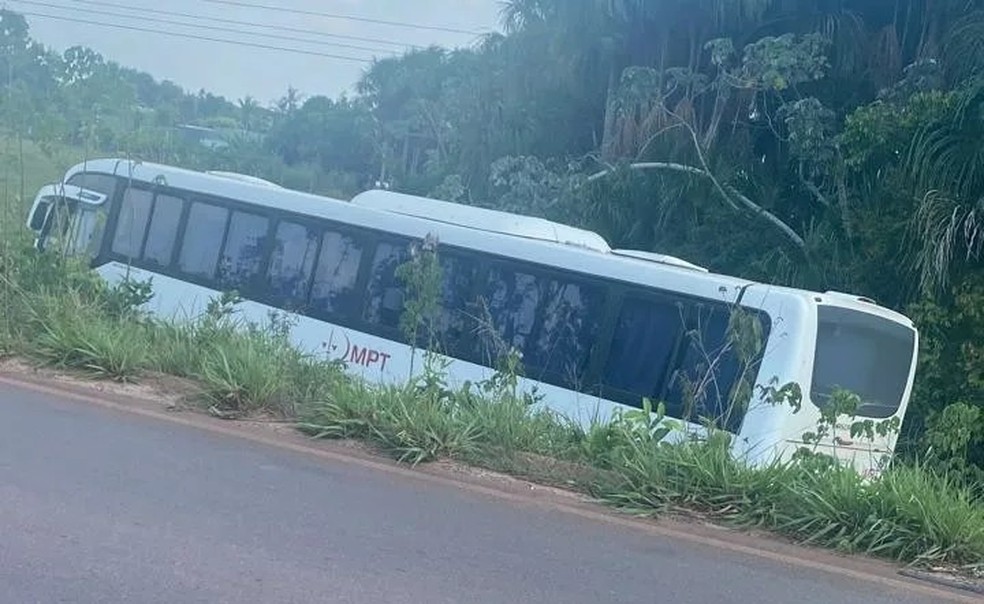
<point>235,70</point>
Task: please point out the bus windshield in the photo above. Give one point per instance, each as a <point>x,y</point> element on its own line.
<point>71,217</point>
<point>868,355</point>
<point>67,224</point>
<point>71,228</point>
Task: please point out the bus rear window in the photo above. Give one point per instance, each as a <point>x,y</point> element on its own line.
<point>865,354</point>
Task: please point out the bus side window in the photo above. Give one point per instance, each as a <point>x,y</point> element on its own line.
<point>553,322</point>
<point>162,234</point>
<point>203,239</point>
<point>292,262</point>
<point>454,322</point>
<point>132,223</point>
<point>243,252</point>
<point>701,386</point>
<point>509,306</point>
<point>336,276</point>
<point>643,344</point>
<point>386,290</point>
<point>568,328</point>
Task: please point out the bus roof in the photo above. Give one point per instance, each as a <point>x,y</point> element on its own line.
<point>244,178</point>
<point>660,258</point>
<point>484,219</point>
<point>220,184</point>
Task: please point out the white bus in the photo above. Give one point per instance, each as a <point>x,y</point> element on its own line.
<point>599,329</point>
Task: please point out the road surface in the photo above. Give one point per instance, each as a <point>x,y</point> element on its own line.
<point>103,506</point>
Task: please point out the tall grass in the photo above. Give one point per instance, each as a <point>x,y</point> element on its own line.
<point>69,333</point>
<point>242,368</point>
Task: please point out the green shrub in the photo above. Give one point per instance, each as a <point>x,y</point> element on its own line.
<point>242,368</point>
<point>70,332</point>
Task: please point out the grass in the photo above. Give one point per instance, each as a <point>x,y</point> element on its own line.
<point>419,424</point>
<point>70,334</point>
<point>57,313</point>
<point>25,166</point>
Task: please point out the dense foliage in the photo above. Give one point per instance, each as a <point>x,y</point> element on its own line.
<point>830,144</point>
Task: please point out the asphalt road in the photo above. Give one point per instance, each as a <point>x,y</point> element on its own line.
<point>102,506</point>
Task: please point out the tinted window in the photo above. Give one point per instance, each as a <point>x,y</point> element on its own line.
<point>292,261</point>
<point>386,291</point>
<point>336,275</point>
<point>100,183</point>
<point>164,222</point>
<point>715,358</point>
<point>203,239</point>
<point>512,300</point>
<point>643,344</point>
<point>72,228</point>
<point>864,354</point>
<point>455,324</point>
<point>567,331</point>
<point>552,322</point>
<point>243,252</point>
<point>132,222</point>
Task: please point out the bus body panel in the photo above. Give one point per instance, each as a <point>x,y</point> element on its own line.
<point>767,422</point>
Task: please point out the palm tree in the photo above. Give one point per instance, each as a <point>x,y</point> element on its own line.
<point>946,164</point>
<point>247,112</point>
<point>288,104</point>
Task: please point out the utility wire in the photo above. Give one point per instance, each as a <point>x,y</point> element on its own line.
<point>311,13</point>
<point>204,38</point>
<point>206,27</point>
<point>284,28</point>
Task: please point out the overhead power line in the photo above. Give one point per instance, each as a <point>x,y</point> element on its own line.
<point>203,38</point>
<point>312,13</point>
<point>270,26</point>
<point>215,28</point>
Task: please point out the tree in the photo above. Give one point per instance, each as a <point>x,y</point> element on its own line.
<point>288,104</point>
<point>248,108</point>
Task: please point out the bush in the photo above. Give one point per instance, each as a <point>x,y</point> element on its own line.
<point>946,417</point>
<point>70,333</point>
